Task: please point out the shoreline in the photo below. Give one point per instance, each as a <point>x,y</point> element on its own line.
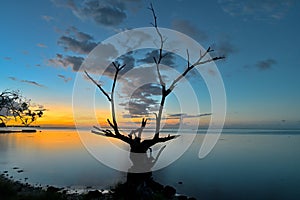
<point>11,189</point>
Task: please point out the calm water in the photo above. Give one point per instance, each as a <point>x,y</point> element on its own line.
<point>245,164</point>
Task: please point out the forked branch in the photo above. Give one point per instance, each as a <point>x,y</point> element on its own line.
<point>110,98</point>
<point>135,143</point>
<point>164,90</point>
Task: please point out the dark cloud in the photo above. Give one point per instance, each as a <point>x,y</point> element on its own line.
<point>64,78</point>
<point>225,48</point>
<point>143,102</point>
<point>32,83</point>
<point>131,116</point>
<point>257,9</point>
<point>189,29</point>
<point>265,64</point>
<point>26,81</point>
<point>77,42</point>
<point>103,12</point>
<point>126,59</point>
<point>67,61</point>
<point>167,60</point>
<point>83,36</point>
<point>184,115</point>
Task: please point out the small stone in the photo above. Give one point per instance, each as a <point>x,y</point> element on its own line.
<point>94,194</point>
<point>52,189</point>
<point>169,192</point>
<point>182,197</point>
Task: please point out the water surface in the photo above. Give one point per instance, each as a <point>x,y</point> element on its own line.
<point>245,164</point>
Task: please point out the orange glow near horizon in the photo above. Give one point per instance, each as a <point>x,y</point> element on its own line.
<point>61,115</point>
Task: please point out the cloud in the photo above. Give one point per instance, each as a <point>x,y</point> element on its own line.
<point>67,61</point>
<point>257,9</point>
<point>184,115</point>
<point>189,29</point>
<point>47,18</point>
<point>34,83</point>
<point>103,12</point>
<point>142,102</point>
<point>7,58</point>
<point>140,91</point>
<point>77,42</point>
<point>167,60</point>
<point>41,45</point>
<point>224,47</point>
<point>12,78</point>
<point>64,78</point>
<point>265,64</point>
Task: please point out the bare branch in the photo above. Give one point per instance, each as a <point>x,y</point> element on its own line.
<point>110,98</point>
<point>139,130</point>
<point>108,133</point>
<point>197,63</point>
<point>162,83</point>
<point>113,112</point>
<point>188,58</point>
<point>98,85</point>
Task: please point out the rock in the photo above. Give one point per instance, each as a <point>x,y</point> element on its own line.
<point>94,194</point>
<point>52,189</point>
<point>182,197</point>
<point>169,192</point>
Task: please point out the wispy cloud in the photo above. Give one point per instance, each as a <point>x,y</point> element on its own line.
<point>67,61</point>
<point>7,58</point>
<point>41,45</point>
<point>34,83</point>
<point>257,9</point>
<point>224,46</point>
<point>190,29</point>
<point>64,78</point>
<point>184,115</point>
<point>12,78</point>
<point>265,64</point>
<point>47,18</point>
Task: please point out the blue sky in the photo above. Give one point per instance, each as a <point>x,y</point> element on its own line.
<point>40,40</point>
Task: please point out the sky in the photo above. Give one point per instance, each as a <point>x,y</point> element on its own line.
<point>43,44</point>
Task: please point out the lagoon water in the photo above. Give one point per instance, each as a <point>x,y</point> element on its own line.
<point>244,164</point>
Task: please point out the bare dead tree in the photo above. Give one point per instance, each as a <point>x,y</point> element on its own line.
<point>138,146</point>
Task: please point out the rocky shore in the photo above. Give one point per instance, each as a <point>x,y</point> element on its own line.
<point>15,190</point>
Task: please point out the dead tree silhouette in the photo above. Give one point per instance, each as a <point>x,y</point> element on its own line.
<point>136,143</point>
<point>134,138</point>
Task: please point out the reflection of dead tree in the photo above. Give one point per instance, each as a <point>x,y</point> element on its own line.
<point>136,144</point>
